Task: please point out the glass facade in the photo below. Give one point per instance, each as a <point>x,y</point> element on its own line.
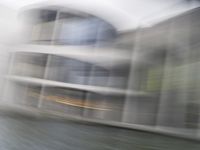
<point>29,64</point>
<point>67,28</point>
<point>158,86</point>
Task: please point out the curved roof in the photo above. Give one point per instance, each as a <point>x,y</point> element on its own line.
<point>123,14</point>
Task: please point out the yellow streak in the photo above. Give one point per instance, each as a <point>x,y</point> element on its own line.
<point>68,101</point>
<point>76,105</point>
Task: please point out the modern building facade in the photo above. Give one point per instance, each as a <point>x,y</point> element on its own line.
<point>81,65</point>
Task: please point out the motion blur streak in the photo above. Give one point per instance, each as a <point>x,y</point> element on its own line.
<point>100,74</point>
